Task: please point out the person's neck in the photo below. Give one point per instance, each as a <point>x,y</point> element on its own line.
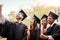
<point>51,23</point>
<point>19,21</point>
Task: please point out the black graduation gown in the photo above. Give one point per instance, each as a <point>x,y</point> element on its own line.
<point>38,33</point>
<point>1,25</point>
<point>34,34</point>
<point>21,31</point>
<point>54,31</point>
<point>41,38</point>
<point>8,30</point>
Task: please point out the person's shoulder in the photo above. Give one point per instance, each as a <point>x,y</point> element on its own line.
<point>57,25</point>
<point>24,25</point>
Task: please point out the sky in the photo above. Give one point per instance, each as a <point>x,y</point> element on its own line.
<point>14,5</point>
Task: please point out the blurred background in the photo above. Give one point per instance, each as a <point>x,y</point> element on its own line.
<point>9,9</point>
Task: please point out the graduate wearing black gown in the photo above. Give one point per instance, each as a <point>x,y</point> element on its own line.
<point>43,25</point>
<point>8,30</point>
<point>21,31</point>
<point>53,32</point>
<point>33,34</point>
<point>13,30</point>
<point>34,31</point>
<point>38,26</point>
<point>20,27</point>
<point>1,28</point>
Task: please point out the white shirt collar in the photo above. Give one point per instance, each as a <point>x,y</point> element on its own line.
<point>52,24</point>
<point>19,21</point>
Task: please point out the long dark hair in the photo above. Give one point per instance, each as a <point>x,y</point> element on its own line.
<point>34,25</point>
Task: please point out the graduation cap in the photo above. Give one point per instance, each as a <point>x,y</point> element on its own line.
<point>44,17</point>
<point>53,15</point>
<point>23,14</point>
<point>36,19</point>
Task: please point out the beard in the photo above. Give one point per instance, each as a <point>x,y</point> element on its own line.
<point>18,18</point>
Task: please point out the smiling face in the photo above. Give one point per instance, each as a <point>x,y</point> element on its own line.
<point>44,22</point>
<point>50,20</point>
<point>19,16</point>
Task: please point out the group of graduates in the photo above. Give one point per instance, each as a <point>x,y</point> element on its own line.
<point>19,31</point>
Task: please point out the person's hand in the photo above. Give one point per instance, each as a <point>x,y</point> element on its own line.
<point>28,34</point>
<point>42,36</point>
<point>45,30</point>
